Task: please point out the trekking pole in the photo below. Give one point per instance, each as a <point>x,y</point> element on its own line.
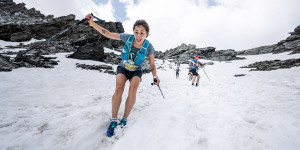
<point>96,17</point>
<point>204,72</point>
<point>54,36</point>
<point>159,89</point>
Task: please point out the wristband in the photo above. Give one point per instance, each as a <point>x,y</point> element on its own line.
<point>93,24</point>
<point>155,77</point>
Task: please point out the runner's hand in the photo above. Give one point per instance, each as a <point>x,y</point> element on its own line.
<point>156,81</point>
<point>89,18</point>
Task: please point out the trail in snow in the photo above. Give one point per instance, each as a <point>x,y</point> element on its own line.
<point>69,108</point>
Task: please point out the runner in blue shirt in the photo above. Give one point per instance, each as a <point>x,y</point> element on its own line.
<point>194,68</point>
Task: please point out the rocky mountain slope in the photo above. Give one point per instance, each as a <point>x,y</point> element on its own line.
<point>183,53</point>
<point>291,43</point>
<point>19,24</point>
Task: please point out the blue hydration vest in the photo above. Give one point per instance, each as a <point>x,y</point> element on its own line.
<point>132,63</point>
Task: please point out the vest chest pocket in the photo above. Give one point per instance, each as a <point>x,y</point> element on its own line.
<point>140,58</point>
<point>124,54</point>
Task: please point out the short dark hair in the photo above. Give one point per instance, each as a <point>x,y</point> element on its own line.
<point>142,23</point>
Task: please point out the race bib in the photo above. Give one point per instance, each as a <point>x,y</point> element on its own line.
<point>129,65</point>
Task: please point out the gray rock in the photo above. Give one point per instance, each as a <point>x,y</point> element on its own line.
<point>273,64</point>
<point>281,42</point>
<point>30,61</point>
<point>110,72</point>
<point>10,12</point>
<point>296,50</point>
<point>292,38</point>
<point>94,67</point>
<point>297,30</point>
<point>223,55</point>
<point>267,49</point>
<point>239,75</point>
<point>5,64</point>
<point>20,36</point>
<point>279,49</point>
<point>292,44</point>
<point>184,52</point>
<point>258,50</point>
<point>108,69</point>
<point>90,51</point>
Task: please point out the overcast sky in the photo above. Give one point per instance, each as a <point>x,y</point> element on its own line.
<point>224,24</point>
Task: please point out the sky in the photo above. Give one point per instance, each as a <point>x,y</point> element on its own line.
<point>224,24</point>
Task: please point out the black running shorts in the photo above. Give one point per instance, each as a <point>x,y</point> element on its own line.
<point>129,74</point>
<point>194,72</point>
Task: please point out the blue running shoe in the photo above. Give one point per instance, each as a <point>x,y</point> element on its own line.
<point>111,128</point>
<point>123,122</point>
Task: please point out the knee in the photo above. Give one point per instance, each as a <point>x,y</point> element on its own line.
<point>133,89</point>
<point>119,89</point>
<point>131,95</point>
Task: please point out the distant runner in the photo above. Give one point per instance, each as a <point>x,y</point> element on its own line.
<point>194,66</point>
<point>177,72</point>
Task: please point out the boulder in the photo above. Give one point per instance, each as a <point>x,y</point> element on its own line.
<point>31,61</point>
<point>89,51</point>
<point>5,64</point>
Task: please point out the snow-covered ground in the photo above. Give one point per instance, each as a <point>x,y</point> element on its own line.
<point>69,108</point>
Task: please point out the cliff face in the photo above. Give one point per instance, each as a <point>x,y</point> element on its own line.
<point>12,13</point>
<point>19,24</point>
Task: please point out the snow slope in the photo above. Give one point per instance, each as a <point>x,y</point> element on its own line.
<point>69,108</point>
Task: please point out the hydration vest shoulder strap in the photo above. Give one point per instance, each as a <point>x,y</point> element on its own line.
<point>145,46</point>
<point>130,41</point>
